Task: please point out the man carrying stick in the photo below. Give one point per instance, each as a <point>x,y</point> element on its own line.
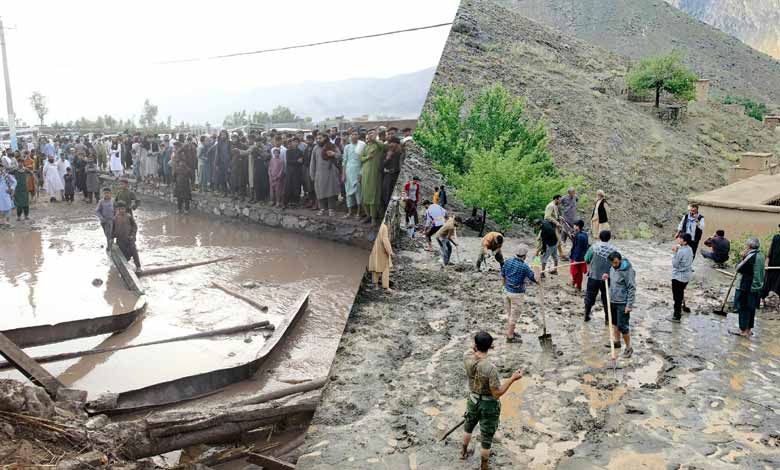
<point>483,406</point>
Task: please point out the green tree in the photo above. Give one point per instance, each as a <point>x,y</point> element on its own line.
<point>492,153</point>
<point>664,73</point>
<point>149,115</point>
<point>283,114</point>
<point>512,183</point>
<point>441,131</point>
<point>38,102</point>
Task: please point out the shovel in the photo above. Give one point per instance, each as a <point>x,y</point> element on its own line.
<point>722,311</point>
<point>545,340</point>
<point>611,339</point>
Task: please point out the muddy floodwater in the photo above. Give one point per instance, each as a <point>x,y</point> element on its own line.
<point>47,269</point>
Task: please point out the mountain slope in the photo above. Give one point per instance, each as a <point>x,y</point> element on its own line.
<point>641,28</point>
<point>757,22</point>
<point>400,95</point>
<point>646,166</point>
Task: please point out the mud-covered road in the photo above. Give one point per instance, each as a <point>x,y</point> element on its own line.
<point>693,396</point>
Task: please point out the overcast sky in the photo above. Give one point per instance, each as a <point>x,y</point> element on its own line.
<point>95,57</point>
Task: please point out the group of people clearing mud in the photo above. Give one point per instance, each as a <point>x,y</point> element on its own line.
<point>597,269</point>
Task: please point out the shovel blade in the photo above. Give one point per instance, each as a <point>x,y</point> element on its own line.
<point>545,341</point>
<point>722,313</point>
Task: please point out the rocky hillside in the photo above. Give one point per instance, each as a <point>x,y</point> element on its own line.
<point>646,166</point>
<point>640,28</point>
<point>756,22</point>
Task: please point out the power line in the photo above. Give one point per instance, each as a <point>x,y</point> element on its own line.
<point>300,46</point>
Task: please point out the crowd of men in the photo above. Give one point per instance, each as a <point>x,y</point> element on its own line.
<point>325,171</point>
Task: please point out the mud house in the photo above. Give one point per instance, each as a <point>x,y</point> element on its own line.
<point>748,207</point>
<point>752,164</point>
<point>772,121</point>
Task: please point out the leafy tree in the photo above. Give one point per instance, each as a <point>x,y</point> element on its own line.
<point>752,108</point>
<point>495,157</point>
<point>283,114</point>
<point>441,131</point>
<point>512,183</point>
<point>663,73</point>
<point>38,102</point>
<point>149,116</point>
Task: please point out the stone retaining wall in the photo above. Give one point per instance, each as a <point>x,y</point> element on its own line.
<point>304,221</point>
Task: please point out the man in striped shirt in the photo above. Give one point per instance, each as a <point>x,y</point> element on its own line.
<point>515,271</point>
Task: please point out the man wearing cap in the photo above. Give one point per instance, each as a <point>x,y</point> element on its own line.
<point>125,230</point>
<point>127,197</point>
<point>485,389</point>
<point>514,272</point>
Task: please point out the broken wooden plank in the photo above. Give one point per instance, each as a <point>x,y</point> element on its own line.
<point>222,425</point>
<point>237,295</point>
<point>28,367</point>
<point>125,270</point>
<point>39,335</point>
<point>284,392</point>
<point>167,269</point>
<point>204,334</point>
<point>180,422</point>
<point>269,463</point>
<point>207,383</point>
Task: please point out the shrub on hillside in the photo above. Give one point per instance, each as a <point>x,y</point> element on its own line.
<point>752,108</point>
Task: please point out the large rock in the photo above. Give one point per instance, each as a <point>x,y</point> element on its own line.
<point>11,396</point>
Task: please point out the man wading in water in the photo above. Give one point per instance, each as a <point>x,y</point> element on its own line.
<point>485,389</point>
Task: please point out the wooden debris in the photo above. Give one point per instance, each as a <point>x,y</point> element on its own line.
<point>125,270</point>
<point>167,269</point>
<point>28,367</point>
<point>206,334</point>
<point>166,431</point>
<point>240,296</point>
<point>270,463</point>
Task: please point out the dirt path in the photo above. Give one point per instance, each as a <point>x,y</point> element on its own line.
<point>692,396</point>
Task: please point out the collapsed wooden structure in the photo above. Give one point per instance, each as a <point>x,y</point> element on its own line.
<point>164,431</point>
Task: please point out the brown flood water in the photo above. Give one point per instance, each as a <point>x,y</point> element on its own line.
<point>46,275</point>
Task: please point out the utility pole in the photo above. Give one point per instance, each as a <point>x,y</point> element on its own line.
<point>8,100</point>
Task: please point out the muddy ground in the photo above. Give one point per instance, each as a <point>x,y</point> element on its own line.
<point>692,396</point>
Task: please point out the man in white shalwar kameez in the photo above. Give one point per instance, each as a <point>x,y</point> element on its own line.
<point>52,182</point>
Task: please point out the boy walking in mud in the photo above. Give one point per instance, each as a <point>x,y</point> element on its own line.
<point>105,214</point>
<point>622,293</point>
<point>485,389</point>
<point>127,196</point>
<point>125,230</point>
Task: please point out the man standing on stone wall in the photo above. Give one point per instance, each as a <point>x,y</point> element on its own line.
<point>391,167</point>
<point>371,177</point>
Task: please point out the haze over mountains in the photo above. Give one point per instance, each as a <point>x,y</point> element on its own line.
<point>755,22</point>
<point>642,28</point>
<point>400,95</point>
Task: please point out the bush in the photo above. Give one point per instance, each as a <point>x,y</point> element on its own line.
<point>441,131</point>
<point>738,245</point>
<point>753,109</point>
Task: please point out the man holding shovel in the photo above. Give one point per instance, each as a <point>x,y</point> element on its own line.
<point>483,406</point>
<point>622,293</point>
<point>515,271</point>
